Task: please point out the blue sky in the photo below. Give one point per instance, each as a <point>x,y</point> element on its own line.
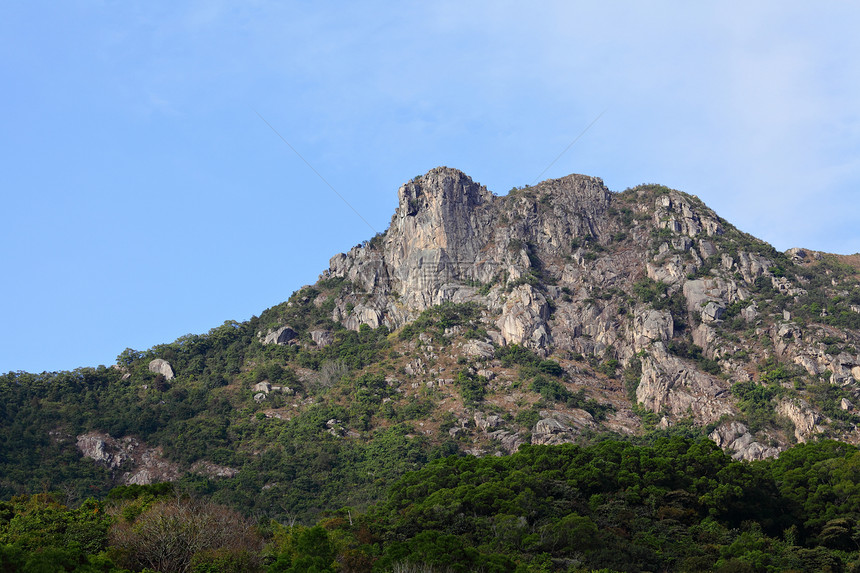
<point>144,198</point>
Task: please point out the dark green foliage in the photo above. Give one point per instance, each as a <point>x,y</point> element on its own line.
<point>676,505</point>
<point>134,491</point>
<point>608,367</point>
<point>536,369</point>
<point>550,390</point>
<point>610,505</point>
<point>302,312</point>
<point>527,418</point>
<point>355,349</point>
<point>688,350</point>
<point>827,397</point>
<point>632,375</point>
<point>554,391</point>
<point>307,550</point>
<point>657,295</point>
<point>446,315</point>
<point>472,387</point>
<point>755,401</point>
<point>38,533</point>
<point>773,372</point>
<point>522,356</point>
<point>627,217</point>
<point>195,419</point>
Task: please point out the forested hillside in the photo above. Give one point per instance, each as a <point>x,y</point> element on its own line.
<point>673,505</point>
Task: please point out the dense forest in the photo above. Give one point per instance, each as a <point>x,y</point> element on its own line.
<point>675,504</point>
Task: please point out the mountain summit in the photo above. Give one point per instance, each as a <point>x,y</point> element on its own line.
<point>649,279</point>
<point>476,323</point>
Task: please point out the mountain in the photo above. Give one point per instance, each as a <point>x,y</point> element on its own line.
<point>562,312</point>
<point>702,318</point>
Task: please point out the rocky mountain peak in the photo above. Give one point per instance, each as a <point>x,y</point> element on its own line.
<point>649,282</point>
<point>443,191</point>
<point>450,236</point>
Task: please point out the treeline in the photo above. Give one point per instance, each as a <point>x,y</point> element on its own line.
<point>674,505</point>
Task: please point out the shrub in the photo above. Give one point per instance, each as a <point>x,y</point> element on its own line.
<point>472,387</point>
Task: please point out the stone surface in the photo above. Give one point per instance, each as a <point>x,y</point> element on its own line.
<point>478,349</point>
<point>281,335</point>
<point>550,431</point>
<point>524,317</point>
<point>211,470</point>
<point>736,437</point>
<point>750,313</point>
<point>448,233</point>
<point>575,418</point>
<point>322,337</point>
<point>134,461</point>
<point>804,419</point>
<point>161,366</point>
<point>510,441</point>
<point>701,293</point>
<point>668,384</point>
<point>713,312</point>
<point>484,422</point>
<point>553,267</point>
<point>651,325</point>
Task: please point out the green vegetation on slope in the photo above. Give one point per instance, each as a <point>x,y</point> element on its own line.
<point>674,505</point>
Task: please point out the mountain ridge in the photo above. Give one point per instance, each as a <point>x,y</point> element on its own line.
<point>537,238</point>
<point>476,323</point>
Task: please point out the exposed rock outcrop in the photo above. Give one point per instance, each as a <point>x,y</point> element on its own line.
<point>138,463</point>
<point>134,462</point>
<point>449,233</point>
<point>557,427</point>
<point>281,335</point>
<point>322,337</point>
<point>478,349</point>
<point>669,385</point>
<point>161,366</point>
<point>650,326</point>
<point>804,419</point>
<point>552,432</point>
<point>524,317</point>
<point>211,470</point>
<point>736,437</point>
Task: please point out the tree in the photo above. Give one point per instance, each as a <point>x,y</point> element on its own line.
<point>172,535</point>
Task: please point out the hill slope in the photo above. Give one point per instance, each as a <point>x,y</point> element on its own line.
<point>558,313</point>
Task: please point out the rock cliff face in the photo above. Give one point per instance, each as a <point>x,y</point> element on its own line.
<point>450,234</point>
<point>138,463</point>
<point>650,282</point>
<point>161,366</point>
<point>134,462</point>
